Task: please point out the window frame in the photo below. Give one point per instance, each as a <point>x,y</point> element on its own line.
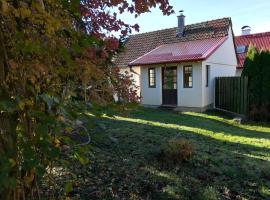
<point>154,77</point>
<point>207,73</point>
<point>174,81</point>
<point>184,73</point>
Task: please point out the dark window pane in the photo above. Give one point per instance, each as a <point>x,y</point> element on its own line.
<point>207,74</point>
<point>169,79</point>
<point>152,77</point>
<point>187,74</point>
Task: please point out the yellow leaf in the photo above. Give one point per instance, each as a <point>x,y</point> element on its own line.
<point>29,178</point>
<point>12,162</point>
<point>4,6</point>
<point>16,12</point>
<point>21,105</point>
<point>68,129</point>
<point>25,13</point>
<point>28,102</point>
<point>56,142</point>
<point>61,119</point>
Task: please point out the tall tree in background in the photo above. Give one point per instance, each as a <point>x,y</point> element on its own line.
<point>47,50</point>
<point>257,68</point>
<point>252,69</point>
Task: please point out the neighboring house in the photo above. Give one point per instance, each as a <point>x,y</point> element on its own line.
<point>177,66</point>
<point>259,40</point>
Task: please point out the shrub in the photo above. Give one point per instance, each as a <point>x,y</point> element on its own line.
<point>256,68</point>
<point>209,193</point>
<point>259,113</point>
<point>177,150</point>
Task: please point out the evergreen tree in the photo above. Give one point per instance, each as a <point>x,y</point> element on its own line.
<point>257,68</point>
<point>265,61</point>
<point>252,69</point>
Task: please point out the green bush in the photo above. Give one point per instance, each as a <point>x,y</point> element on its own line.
<point>177,150</point>
<point>259,112</point>
<point>209,193</point>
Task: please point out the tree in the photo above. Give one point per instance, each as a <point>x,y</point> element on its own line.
<point>256,67</point>
<point>48,50</point>
<point>252,69</point>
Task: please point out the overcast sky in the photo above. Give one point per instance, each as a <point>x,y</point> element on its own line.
<point>254,13</point>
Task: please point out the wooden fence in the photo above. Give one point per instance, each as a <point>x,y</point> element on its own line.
<point>231,94</point>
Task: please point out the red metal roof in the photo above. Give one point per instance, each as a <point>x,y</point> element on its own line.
<point>180,52</point>
<point>139,44</point>
<point>259,40</point>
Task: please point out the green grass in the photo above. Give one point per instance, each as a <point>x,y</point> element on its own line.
<point>231,161</point>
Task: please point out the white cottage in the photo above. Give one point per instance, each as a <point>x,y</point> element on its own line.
<point>177,67</point>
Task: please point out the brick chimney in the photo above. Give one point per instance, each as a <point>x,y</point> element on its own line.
<point>181,24</point>
<point>246,30</point>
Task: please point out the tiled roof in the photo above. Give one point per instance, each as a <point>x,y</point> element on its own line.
<point>140,44</point>
<point>260,40</point>
<point>181,51</point>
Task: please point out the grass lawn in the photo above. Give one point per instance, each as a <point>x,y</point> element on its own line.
<point>230,161</point>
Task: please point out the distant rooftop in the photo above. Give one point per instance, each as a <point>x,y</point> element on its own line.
<point>259,40</point>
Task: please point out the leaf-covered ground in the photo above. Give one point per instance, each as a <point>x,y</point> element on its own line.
<point>231,161</point>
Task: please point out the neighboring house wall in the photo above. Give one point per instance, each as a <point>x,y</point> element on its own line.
<point>222,62</point>
<point>238,72</point>
<point>135,72</point>
<point>151,96</point>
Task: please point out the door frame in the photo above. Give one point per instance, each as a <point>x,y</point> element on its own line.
<point>162,83</point>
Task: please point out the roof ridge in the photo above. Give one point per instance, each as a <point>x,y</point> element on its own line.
<point>255,34</point>
<point>188,25</point>
<point>219,19</point>
<point>153,31</point>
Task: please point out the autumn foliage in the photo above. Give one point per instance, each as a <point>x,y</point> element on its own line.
<point>51,53</point>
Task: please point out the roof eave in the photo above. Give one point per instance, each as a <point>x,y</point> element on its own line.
<point>166,62</point>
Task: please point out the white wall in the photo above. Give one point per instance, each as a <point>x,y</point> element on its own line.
<point>187,97</point>
<point>135,76</point>
<point>225,54</point>
<point>238,72</point>
<point>190,97</point>
<point>215,71</point>
<point>222,62</point>
<point>151,96</point>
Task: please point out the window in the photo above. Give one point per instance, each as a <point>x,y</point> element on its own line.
<point>207,75</point>
<point>170,78</point>
<point>188,82</point>
<point>241,49</point>
<point>152,77</point>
